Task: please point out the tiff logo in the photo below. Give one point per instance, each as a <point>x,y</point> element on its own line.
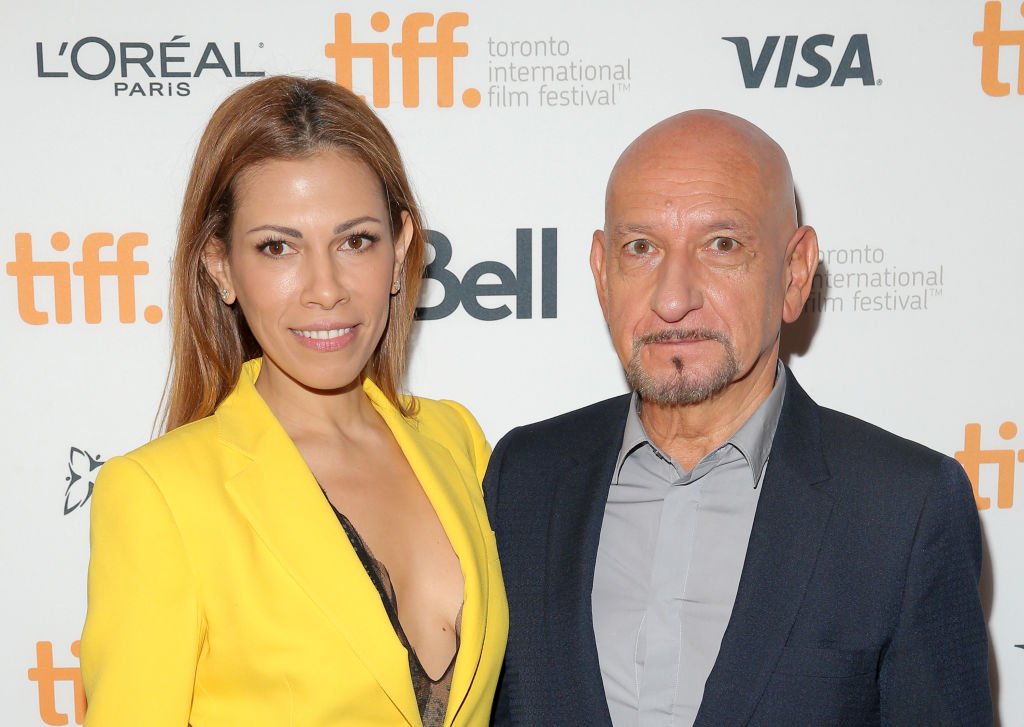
<point>410,50</point>
<point>990,39</point>
<point>46,676</point>
<point>27,271</point>
<point>972,457</point>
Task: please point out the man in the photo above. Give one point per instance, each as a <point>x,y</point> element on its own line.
<point>716,549</point>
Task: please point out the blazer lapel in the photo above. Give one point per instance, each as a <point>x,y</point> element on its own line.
<point>574,531</point>
<point>286,508</point>
<point>449,491</point>
<point>791,519</point>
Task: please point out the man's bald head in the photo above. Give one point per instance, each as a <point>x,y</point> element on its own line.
<point>705,138</point>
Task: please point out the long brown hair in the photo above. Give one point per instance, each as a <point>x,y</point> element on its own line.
<point>281,117</point>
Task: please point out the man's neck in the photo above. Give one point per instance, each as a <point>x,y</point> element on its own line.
<point>688,433</point>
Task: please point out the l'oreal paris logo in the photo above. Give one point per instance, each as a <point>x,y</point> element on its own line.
<point>140,68</point>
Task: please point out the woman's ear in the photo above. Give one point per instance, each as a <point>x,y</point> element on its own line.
<point>215,259</point>
<point>402,241</point>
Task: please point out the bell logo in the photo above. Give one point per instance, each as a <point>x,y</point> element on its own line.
<point>990,39</point>
<point>490,278</point>
<point>972,457</point>
<point>444,49</point>
<point>27,271</point>
<point>46,676</point>
<point>855,62</point>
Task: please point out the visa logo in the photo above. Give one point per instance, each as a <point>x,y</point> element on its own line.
<point>815,54</point>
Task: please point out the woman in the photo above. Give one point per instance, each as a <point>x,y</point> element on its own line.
<point>304,546</point>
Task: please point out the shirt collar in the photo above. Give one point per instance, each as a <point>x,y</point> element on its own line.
<point>633,436</point>
<point>753,439</point>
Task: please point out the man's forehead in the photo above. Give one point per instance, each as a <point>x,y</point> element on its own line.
<point>689,168</point>
<point>696,192</point>
<point>711,164</point>
<point>624,219</point>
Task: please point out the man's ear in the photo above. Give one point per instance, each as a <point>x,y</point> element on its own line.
<point>598,262</point>
<point>215,259</point>
<point>801,262</point>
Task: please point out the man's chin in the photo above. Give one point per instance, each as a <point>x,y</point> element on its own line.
<point>679,389</point>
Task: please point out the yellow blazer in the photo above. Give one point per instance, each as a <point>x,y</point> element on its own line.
<point>223,591</point>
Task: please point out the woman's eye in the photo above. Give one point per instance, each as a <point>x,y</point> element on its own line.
<point>359,243</point>
<point>274,248</point>
<point>639,247</point>
<point>724,244</point>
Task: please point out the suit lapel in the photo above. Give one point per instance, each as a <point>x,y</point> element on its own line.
<point>791,519</point>
<point>449,494</point>
<point>287,510</point>
<point>574,531</point>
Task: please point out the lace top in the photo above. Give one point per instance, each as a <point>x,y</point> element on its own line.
<point>431,696</point>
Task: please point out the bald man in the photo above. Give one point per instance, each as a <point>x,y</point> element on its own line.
<point>715,548</point>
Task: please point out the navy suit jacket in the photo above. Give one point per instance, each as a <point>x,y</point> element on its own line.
<point>857,604</point>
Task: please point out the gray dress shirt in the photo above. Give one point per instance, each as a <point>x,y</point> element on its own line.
<point>668,566</point>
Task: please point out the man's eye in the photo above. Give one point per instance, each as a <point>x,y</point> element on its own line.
<point>724,244</point>
<point>639,247</point>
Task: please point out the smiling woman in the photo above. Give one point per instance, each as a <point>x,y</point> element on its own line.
<point>305,545</point>
<point>313,264</point>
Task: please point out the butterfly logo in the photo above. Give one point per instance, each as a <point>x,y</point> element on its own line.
<point>81,478</point>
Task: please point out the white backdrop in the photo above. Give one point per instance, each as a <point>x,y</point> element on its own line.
<point>902,120</point>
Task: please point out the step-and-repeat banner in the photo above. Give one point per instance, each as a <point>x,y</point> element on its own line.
<point>903,122</point>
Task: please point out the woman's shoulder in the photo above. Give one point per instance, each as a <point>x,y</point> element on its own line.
<point>445,414</point>
<point>186,438</point>
<point>452,425</point>
<point>175,473</point>
<point>191,448</point>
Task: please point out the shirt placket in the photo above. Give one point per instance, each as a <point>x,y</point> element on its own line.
<point>663,632</point>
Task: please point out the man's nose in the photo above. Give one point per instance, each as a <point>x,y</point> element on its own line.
<point>678,289</point>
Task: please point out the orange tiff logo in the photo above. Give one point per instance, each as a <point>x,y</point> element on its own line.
<point>444,49</point>
<point>46,676</point>
<point>27,271</point>
<point>991,38</point>
<point>972,457</point>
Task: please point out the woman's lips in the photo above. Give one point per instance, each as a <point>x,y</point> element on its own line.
<point>323,338</point>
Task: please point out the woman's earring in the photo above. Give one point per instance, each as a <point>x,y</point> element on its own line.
<point>395,287</point>
<point>224,294</point>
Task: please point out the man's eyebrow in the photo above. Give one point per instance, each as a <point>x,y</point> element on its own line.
<point>632,229</point>
<point>725,223</point>
<point>712,223</point>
